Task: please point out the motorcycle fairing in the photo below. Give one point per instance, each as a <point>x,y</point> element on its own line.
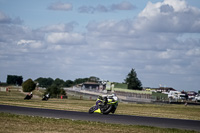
<point>97,111</point>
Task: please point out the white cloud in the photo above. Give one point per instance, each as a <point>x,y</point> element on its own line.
<point>171,54</point>
<point>5,19</point>
<point>153,43</point>
<point>31,43</point>
<point>125,5</point>
<point>55,47</point>
<point>194,52</point>
<point>169,16</point>
<point>65,38</point>
<point>59,27</point>
<point>61,6</point>
<point>25,42</point>
<point>165,55</point>
<point>110,27</point>
<point>178,5</point>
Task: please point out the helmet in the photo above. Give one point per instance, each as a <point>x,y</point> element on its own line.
<point>113,95</point>
<point>100,97</point>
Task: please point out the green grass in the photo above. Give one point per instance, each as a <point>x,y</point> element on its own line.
<point>165,110</point>
<point>28,124</point>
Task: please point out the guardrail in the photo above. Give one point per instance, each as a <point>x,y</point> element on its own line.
<point>123,96</point>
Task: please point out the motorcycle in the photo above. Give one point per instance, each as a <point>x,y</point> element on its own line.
<point>28,96</point>
<point>46,97</point>
<point>105,104</point>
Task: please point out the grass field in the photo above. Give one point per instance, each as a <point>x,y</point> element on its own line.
<point>24,123</point>
<point>27,124</point>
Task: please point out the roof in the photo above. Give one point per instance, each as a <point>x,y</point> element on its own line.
<point>91,83</point>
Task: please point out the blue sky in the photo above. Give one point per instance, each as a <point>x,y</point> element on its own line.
<point>76,39</point>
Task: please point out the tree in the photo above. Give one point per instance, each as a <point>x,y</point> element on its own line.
<point>80,80</point>
<point>19,80</point>
<point>132,81</point>
<point>68,83</point>
<point>55,91</point>
<point>44,82</point>
<point>62,92</point>
<point>59,82</point>
<point>14,79</point>
<point>93,79</point>
<point>28,85</point>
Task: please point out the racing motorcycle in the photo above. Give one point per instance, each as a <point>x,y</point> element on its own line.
<point>28,96</point>
<point>105,104</point>
<point>46,97</point>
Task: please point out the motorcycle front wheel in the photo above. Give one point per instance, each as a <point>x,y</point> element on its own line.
<point>91,110</point>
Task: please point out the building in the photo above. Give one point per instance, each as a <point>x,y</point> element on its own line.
<point>92,86</point>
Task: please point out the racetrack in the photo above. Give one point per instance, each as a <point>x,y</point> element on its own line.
<point>118,119</point>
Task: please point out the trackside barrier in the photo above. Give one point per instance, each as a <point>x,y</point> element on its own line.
<point>81,95</point>
<point>123,96</point>
<point>3,89</point>
<point>134,97</point>
<point>159,97</point>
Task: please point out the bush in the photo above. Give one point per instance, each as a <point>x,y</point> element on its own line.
<point>55,91</point>
<point>28,85</point>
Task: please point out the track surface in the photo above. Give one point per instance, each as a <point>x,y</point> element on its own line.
<point>118,119</point>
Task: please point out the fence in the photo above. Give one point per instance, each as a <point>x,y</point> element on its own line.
<point>3,89</point>
<point>124,95</point>
<point>134,97</point>
<point>159,97</point>
<point>80,95</point>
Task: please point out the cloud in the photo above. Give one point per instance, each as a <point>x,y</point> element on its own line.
<point>91,9</point>
<point>68,27</point>
<point>166,9</point>
<point>65,38</point>
<point>86,9</point>
<point>194,52</point>
<point>154,43</point>
<point>101,8</point>
<point>5,19</point>
<point>31,43</point>
<point>61,6</point>
<point>125,5</point>
<point>169,16</point>
<point>110,27</point>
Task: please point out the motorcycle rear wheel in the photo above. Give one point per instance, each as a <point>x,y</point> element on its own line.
<point>108,109</point>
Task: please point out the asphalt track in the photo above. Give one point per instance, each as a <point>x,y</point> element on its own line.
<point>117,119</point>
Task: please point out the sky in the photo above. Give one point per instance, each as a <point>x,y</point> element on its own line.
<point>70,39</point>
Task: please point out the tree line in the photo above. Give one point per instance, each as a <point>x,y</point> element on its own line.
<point>55,87</point>
<point>46,82</point>
<point>14,80</point>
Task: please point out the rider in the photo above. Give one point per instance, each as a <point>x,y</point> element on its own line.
<point>102,101</point>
